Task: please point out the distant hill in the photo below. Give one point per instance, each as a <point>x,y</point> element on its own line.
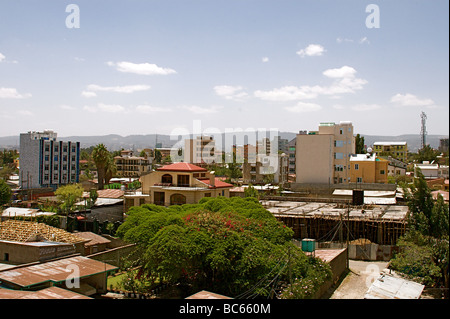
<point>137,142</point>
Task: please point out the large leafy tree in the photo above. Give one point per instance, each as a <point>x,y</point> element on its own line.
<point>69,195</point>
<point>231,246</point>
<point>359,144</point>
<point>101,157</point>
<point>424,250</point>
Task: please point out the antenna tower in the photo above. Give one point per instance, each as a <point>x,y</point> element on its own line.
<point>423,131</point>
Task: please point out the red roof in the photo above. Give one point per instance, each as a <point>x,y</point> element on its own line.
<point>182,167</point>
<point>218,183</point>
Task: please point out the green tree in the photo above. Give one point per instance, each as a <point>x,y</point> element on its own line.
<point>250,191</point>
<point>158,156</point>
<point>101,157</point>
<point>228,245</point>
<point>5,192</point>
<point>69,195</point>
<point>359,144</point>
<point>424,250</point>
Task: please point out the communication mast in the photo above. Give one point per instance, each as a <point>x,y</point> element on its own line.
<point>423,131</point>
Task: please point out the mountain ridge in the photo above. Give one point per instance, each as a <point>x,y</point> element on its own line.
<point>140,141</point>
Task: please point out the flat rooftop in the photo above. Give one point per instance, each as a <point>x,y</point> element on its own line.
<point>315,209</point>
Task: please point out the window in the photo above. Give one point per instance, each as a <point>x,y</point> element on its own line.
<point>382,172</point>
<point>338,143</point>
<point>166,179</point>
<point>359,179</point>
<point>356,166</point>
<point>47,158</point>
<point>341,131</point>
<point>183,180</point>
<point>207,194</point>
<point>338,155</point>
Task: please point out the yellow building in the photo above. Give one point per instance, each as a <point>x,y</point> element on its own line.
<point>398,150</point>
<point>182,183</point>
<point>367,168</point>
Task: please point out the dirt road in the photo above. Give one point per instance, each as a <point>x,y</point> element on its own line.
<point>358,280</point>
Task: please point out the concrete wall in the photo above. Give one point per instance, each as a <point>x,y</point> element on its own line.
<point>314,159</point>
<point>20,253</point>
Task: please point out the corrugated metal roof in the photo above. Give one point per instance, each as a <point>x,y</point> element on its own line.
<point>54,271</point>
<point>389,287</point>
<point>47,293</point>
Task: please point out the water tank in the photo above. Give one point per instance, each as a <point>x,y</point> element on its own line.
<point>308,245</point>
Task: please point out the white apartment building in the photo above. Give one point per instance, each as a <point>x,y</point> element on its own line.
<point>46,162</point>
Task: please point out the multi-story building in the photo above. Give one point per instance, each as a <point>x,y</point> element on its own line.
<point>323,156</point>
<point>291,155</point>
<point>182,183</point>
<point>368,168</point>
<point>131,166</point>
<point>443,145</point>
<point>398,150</point>
<point>46,162</point>
<point>263,167</point>
<point>199,150</point>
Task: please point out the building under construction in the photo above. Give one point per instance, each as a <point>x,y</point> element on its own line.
<point>341,222</point>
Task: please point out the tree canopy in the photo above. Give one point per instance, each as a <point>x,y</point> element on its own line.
<point>69,195</point>
<point>231,246</point>
<point>424,250</point>
<point>5,192</point>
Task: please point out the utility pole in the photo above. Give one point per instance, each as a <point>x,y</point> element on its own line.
<point>348,232</point>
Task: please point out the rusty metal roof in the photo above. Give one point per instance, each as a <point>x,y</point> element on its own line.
<point>47,293</point>
<point>54,271</point>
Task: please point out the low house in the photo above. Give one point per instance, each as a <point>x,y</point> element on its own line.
<point>182,183</point>
<point>25,242</point>
<point>368,168</point>
<point>95,243</point>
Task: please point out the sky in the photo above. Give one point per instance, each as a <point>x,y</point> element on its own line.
<point>143,67</point>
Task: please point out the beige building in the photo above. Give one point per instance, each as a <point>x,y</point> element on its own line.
<point>199,150</point>
<point>368,168</point>
<point>182,183</point>
<point>131,166</point>
<point>323,156</point>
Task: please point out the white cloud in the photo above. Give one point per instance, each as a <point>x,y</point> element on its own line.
<point>411,100</point>
<point>88,94</point>
<point>342,72</point>
<point>111,108</point>
<point>311,50</point>
<point>344,82</point>
<point>287,93</point>
<point>364,40</point>
<point>11,93</point>
<point>302,107</point>
<point>341,40</point>
<point>265,59</point>
<point>141,68</point>
<point>201,110</point>
<point>90,109</point>
<point>25,113</point>
<point>366,107</point>
<point>148,109</point>
<point>108,108</point>
<point>67,107</point>
<point>118,89</point>
<point>229,92</point>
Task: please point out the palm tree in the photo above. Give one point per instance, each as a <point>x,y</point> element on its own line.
<point>101,157</point>
<point>110,169</point>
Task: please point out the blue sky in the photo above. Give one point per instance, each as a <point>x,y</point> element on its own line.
<point>143,67</point>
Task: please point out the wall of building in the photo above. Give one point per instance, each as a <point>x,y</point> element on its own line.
<point>314,159</point>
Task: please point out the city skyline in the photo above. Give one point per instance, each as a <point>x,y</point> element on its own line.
<point>145,67</point>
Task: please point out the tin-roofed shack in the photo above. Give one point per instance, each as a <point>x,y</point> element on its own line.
<point>25,242</point>
<point>85,275</point>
